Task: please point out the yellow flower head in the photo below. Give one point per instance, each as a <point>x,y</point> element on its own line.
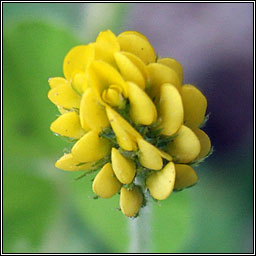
<point>134,122</point>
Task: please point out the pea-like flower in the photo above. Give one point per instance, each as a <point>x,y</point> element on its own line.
<point>133,121</point>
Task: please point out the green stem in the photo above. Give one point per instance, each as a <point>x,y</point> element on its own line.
<point>141,231</point>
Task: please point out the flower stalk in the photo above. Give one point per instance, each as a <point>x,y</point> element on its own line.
<point>141,231</point>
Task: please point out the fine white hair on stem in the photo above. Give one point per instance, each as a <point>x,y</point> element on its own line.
<point>140,231</point>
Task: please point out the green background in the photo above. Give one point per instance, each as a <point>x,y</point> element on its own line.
<point>45,209</point>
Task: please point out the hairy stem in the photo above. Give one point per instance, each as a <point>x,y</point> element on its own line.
<point>141,231</point>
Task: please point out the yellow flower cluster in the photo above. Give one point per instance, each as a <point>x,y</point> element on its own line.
<point>132,119</point>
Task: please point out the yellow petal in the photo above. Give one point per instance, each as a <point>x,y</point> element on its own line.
<point>165,155</point>
<point>80,82</point>
<point>106,45</point>
<point>113,116</point>
<point>161,183</point>
<point>128,128</point>
<point>119,126</point>
<point>139,64</point>
<point>65,96</point>
<point>92,113</point>
<point>91,147</point>
<point>185,176</point>
<point>130,201</point>
<point>160,74</point>
<point>56,81</point>
<point>124,168</point>
<point>195,105</point>
<point>105,184</point>
<point>137,44</point>
<point>62,110</point>
<point>68,125</point>
<point>78,59</point>
<point>173,64</point>
<point>205,143</point>
<point>69,163</point>
<point>149,156</point>
<point>112,96</point>
<point>108,39</point>
<point>102,75</point>
<point>142,109</point>
<point>129,70</point>
<point>133,32</point>
<point>185,147</point>
<point>170,109</point>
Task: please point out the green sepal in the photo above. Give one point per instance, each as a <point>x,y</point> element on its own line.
<point>108,133</point>
<point>206,118</point>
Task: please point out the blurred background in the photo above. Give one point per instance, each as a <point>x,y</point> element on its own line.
<point>46,211</point>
